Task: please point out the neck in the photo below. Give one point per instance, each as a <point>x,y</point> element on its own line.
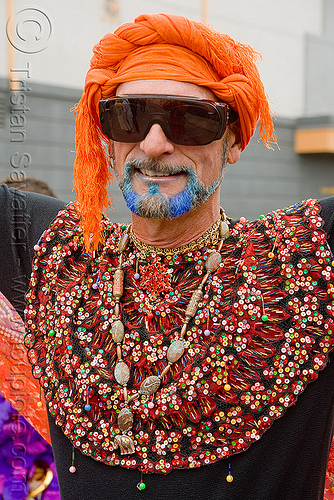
<point>173,233</point>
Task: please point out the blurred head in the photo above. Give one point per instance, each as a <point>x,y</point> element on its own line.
<point>30,184</point>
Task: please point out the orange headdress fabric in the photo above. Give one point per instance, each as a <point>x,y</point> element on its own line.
<point>160,46</point>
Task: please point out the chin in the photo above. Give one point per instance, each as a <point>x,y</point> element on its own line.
<point>158,206</point>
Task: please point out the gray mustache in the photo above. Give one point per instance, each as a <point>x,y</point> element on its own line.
<point>159,166</point>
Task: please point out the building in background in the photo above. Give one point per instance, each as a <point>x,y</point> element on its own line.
<point>49,54</point>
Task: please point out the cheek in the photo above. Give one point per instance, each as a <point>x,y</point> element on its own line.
<point>120,152</point>
<point>209,166</point>
<point>213,160</point>
<point>117,152</point>
<point>206,156</point>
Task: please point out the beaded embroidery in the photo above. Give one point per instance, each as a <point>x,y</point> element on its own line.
<point>155,278</point>
<point>267,315</point>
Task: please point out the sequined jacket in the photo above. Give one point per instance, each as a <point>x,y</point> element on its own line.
<point>260,471</point>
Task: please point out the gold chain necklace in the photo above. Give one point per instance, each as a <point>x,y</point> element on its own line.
<point>210,238</point>
<point>175,351</point>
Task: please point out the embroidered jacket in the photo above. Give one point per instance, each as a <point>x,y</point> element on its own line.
<point>262,332</point>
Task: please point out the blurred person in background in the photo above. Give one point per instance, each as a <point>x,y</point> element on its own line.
<point>29,184</point>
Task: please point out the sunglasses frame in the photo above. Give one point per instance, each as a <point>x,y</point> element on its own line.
<point>224,111</point>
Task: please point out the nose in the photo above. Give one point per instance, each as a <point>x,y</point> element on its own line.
<point>155,143</point>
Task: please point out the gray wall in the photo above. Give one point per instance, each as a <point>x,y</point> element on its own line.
<point>46,134</point>
<point>265,179</point>
<point>261,181</point>
<point>319,70</point>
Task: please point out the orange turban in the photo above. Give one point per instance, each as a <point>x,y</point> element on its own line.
<point>160,46</point>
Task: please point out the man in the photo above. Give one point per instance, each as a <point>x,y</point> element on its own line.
<point>168,347</point>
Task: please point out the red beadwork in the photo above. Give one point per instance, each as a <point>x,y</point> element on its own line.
<point>155,277</point>
<point>191,419</point>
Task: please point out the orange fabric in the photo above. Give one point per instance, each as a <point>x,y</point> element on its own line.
<point>160,46</point>
<point>16,381</point>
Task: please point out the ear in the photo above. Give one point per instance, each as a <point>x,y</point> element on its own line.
<point>234,143</point>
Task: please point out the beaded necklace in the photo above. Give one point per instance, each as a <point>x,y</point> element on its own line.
<point>176,349</point>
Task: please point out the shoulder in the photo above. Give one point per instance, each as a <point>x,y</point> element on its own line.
<point>296,231</point>
<point>67,225</point>
<point>65,232</point>
<point>61,258</point>
<point>285,221</point>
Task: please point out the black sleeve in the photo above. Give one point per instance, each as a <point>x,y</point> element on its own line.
<point>327,213</point>
<point>24,217</point>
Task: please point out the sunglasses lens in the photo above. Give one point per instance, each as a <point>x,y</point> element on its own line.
<point>122,120</point>
<point>194,124</point>
<point>184,121</point>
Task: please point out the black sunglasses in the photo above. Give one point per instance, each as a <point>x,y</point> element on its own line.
<point>186,121</point>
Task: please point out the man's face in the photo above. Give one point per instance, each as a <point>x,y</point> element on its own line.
<point>161,179</point>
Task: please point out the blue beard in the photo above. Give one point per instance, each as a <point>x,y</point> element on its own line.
<point>154,204</point>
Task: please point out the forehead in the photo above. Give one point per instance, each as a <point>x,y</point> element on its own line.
<point>165,87</point>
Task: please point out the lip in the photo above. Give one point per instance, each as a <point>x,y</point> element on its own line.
<point>157,178</point>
